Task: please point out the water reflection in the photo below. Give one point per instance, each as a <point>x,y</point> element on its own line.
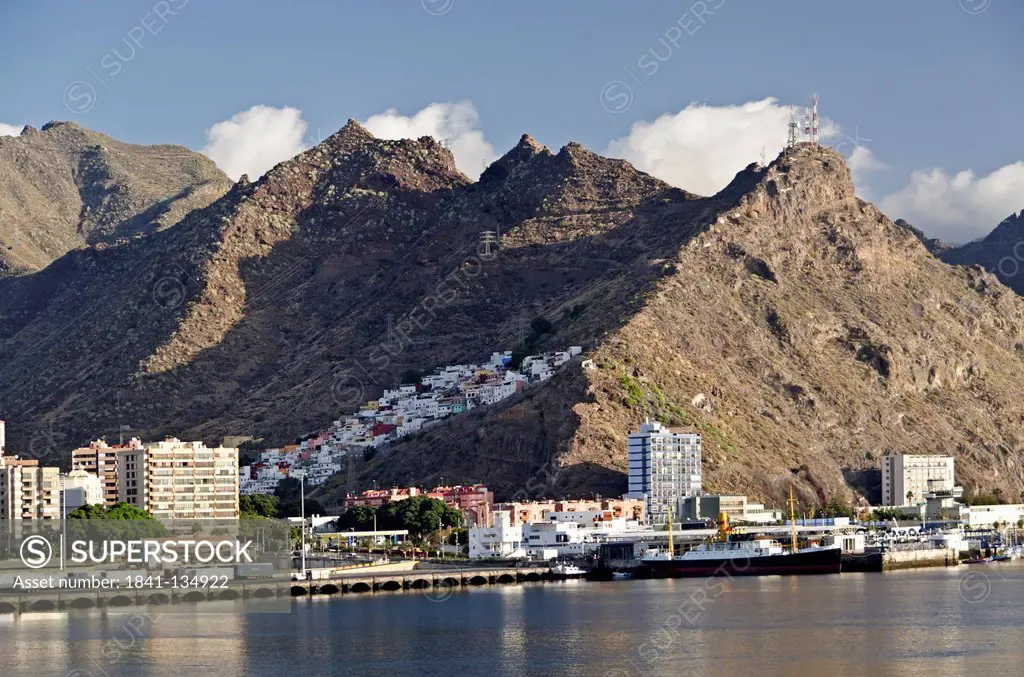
<point>910,623</point>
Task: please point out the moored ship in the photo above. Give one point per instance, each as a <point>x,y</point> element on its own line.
<point>755,557</point>
<point>759,557</point>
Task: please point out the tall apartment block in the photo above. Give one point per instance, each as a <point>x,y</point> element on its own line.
<point>907,479</point>
<point>664,468</point>
<point>100,459</point>
<point>27,490</point>
<point>180,480</point>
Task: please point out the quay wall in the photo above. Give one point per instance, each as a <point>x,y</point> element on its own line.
<point>917,559</point>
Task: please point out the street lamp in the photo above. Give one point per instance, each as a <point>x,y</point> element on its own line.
<point>302,501</point>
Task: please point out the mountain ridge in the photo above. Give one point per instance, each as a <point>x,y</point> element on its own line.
<point>782,317</point>
<point>67,187</point>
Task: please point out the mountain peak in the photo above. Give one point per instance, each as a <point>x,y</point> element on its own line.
<point>1011,226</point>
<point>355,131</point>
<point>62,124</point>
<point>528,142</point>
<point>524,151</point>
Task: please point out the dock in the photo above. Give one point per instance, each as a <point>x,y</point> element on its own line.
<point>440,582</point>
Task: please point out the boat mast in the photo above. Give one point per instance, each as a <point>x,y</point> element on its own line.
<point>671,551</point>
<point>792,516</point>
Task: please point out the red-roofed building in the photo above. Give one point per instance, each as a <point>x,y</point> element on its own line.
<point>378,497</point>
<point>474,501</point>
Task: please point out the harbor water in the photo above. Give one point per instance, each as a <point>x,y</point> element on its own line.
<point>964,620</point>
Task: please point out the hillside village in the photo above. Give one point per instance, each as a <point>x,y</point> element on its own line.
<point>449,390</point>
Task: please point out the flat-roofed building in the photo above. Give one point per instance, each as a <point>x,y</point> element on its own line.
<point>28,490</point>
<point>527,512</point>
<point>664,468</point>
<point>172,479</point>
<point>736,508</point>
<point>100,459</point>
<point>909,479</point>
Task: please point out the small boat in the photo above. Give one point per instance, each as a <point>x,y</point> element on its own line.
<point>977,560</point>
<point>563,570</point>
<point>1001,558</point>
<point>621,575</point>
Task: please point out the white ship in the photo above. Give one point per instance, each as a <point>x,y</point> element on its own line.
<point>563,570</point>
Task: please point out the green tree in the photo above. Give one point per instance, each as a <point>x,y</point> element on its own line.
<point>358,518</point>
<point>88,512</point>
<point>420,515</point>
<point>835,508</point>
<point>289,494</point>
<point>118,522</point>
<point>259,505</point>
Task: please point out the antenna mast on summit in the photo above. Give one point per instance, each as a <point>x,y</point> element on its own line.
<point>791,140</point>
<point>814,118</point>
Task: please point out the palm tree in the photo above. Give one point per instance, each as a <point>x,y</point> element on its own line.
<point>910,497</point>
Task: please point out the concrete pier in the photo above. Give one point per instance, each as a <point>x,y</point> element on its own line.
<point>441,581</point>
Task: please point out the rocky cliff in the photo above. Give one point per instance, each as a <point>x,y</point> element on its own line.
<point>1001,252</point>
<point>65,187</point>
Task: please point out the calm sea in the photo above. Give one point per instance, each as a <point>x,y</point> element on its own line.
<point>920,623</point>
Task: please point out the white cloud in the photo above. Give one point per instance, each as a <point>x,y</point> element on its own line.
<point>9,130</point>
<point>455,123</point>
<point>701,147</point>
<point>253,141</point>
<point>862,162</point>
<point>961,207</point>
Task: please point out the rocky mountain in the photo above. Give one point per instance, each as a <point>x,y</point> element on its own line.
<point>802,332</point>
<point>932,244</point>
<point>65,187</point>
<point>793,324</point>
<point>1000,252</point>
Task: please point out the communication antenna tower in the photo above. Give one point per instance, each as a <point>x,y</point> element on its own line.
<point>814,118</point>
<point>791,140</point>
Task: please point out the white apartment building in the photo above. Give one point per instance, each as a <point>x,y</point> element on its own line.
<point>79,488</point>
<point>180,480</point>
<point>664,467</point>
<point>500,540</point>
<point>907,479</point>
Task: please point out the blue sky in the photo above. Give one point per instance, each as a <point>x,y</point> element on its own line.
<point>926,86</point>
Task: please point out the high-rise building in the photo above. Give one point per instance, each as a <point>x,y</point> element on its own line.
<point>664,467</point>
<point>27,490</point>
<point>180,480</point>
<point>100,459</point>
<point>907,479</point>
